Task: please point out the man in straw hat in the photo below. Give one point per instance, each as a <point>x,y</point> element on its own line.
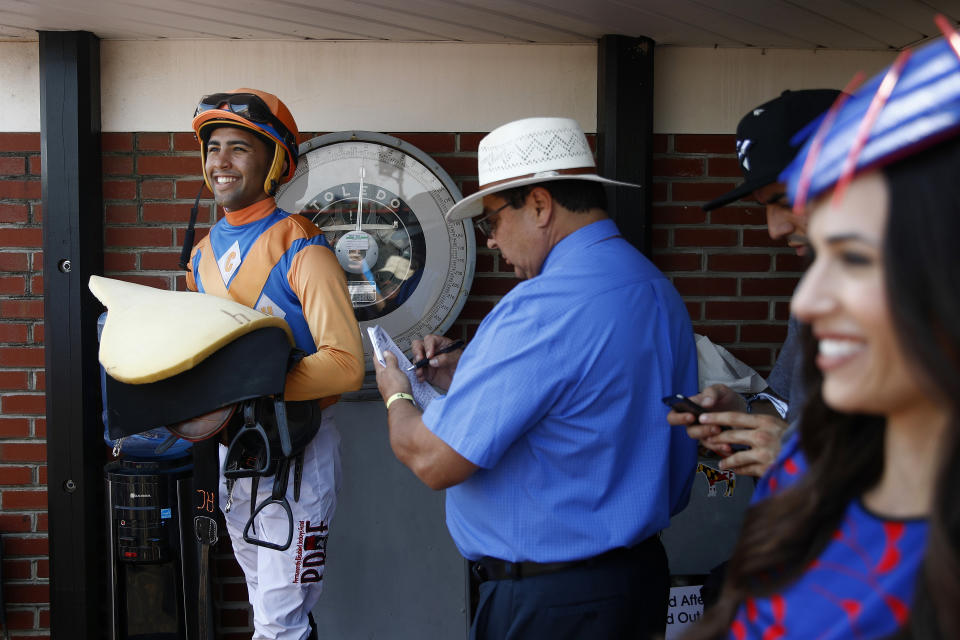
<point>551,440</point>
<point>764,148</point>
<point>280,264</point>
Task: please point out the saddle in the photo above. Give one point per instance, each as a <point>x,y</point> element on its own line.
<point>196,364</point>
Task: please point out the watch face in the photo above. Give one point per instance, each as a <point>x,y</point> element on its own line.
<point>380,203</point>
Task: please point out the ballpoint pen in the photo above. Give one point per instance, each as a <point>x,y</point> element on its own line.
<point>453,346</point>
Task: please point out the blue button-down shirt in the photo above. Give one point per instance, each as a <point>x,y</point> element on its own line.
<point>558,400</point>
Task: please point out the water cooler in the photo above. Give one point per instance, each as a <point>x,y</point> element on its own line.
<point>154,558</point>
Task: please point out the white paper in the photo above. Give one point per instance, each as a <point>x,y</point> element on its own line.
<point>423,393</point>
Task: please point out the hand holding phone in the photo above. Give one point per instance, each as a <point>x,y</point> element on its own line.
<point>682,404</point>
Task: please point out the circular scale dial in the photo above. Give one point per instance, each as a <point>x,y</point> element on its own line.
<point>380,203</point>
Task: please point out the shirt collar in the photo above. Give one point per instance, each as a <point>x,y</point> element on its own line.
<point>582,237</point>
<point>257,211</point>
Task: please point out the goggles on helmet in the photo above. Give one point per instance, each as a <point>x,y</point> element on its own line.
<point>249,107</point>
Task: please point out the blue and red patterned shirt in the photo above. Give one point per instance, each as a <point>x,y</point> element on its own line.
<point>861,586</point>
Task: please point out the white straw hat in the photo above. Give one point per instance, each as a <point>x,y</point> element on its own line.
<point>528,151</point>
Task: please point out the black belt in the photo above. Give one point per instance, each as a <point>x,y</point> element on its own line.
<point>488,568</point>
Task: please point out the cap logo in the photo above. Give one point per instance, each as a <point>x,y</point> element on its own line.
<point>758,111</point>
<point>742,147</point>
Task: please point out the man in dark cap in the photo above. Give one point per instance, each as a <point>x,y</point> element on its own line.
<point>768,138</point>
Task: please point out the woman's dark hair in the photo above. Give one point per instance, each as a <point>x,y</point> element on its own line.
<point>783,534</point>
<point>578,196</point>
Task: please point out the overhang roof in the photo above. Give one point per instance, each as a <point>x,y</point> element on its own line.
<point>787,24</point>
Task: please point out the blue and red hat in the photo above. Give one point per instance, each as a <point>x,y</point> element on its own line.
<point>908,107</point>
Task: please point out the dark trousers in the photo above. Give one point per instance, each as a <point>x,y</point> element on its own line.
<point>625,598</point>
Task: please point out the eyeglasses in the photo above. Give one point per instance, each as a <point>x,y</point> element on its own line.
<point>486,227</point>
<point>249,107</point>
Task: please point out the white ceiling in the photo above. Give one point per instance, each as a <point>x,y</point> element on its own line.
<point>792,24</point>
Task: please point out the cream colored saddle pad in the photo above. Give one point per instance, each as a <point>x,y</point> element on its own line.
<point>152,334</point>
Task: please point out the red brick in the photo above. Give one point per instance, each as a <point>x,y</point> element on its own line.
<point>671,167</point>
<point>659,191</point>
<point>157,282</point>
<point>120,213</point>
<point>698,191</point>
<point>470,141</point>
<point>32,309</point>
<point>22,403</point>
<point>680,214</point>
<point>18,500</point>
<point>677,261</point>
<point>22,356</point>
<point>116,141</point>
<point>180,231</point>
<point>763,333</point>
<point>19,142</point>
<point>188,189</point>
<point>10,260</point>
<point>660,238</point>
<point>18,570</point>
<point>164,212</point>
<point>736,310</point>
<point>768,286</point>
<point>119,190</point>
<point>705,237</point>
<point>43,519</point>
<point>37,212</point>
<point>168,165</point>
<point>718,333</point>
<point>760,238</point>
<point>24,451</point>
<point>705,143</point>
<point>43,571</point>
<point>186,142</point>
<point>153,141</point>
<point>13,332</point>
<point>13,285</point>
<point>659,143</point>
<point>116,261</point>
<point>458,165</point>
<point>21,237</point>
<point>492,286</point>
<point>38,333</point>
<point>27,593</point>
<point>756,358</point>
<point>138,237</point>
<point>13,166</point>
<point>430,142</point>
<point>16,475</point>
<point>694,310</point>
<point>738,262</point>
<point>20,546</point>
<point>40,431</point>
<point>15,213</point>
<point>476,309</point>
<point>38,261</point>
<point>12,381</point>
<point>159,261</point>
<point>791,262</point>
<point>14,523</point>
<point>117,165</point>
<point>781,311</point>
<point>14,427</point>
<point>20,189</point>
<point>156,189</point>
<point>36,285</point>
<point>41,383</point>
<point>35,166</point>
<point>724,168</point>
<point>706,286</point>
<point>484,262</point>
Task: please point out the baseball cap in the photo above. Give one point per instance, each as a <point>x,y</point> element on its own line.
<point>764,135</point>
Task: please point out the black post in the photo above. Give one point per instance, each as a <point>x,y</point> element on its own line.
<point>72,252</point>
<point>625,131</point>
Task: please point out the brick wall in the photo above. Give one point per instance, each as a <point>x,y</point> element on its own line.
<point>736,282</point>
<point>23,471</point>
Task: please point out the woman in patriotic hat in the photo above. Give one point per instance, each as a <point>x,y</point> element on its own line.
<point>856,530</point>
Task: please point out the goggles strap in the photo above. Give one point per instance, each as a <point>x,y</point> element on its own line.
<point>189,235</point>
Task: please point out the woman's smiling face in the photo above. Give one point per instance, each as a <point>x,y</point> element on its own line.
<point>843,297</point>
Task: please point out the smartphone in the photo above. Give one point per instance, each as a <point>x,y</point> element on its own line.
<point>683,404</point>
